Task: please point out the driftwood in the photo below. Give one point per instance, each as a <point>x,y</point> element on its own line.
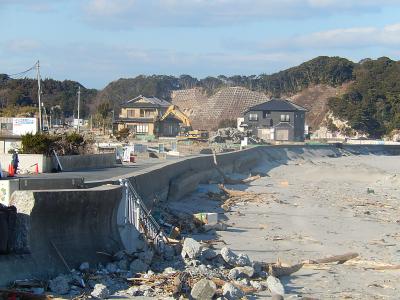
<point>277,270</point>
<point>340,259</point>
<point>179,282</point>
<point>233,193</point>
<point>245,289</point>
<point>382,268</point>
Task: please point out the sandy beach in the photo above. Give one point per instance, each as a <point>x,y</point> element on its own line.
<point>312,207</point>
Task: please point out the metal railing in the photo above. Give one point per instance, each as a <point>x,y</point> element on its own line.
<point>137,214</point>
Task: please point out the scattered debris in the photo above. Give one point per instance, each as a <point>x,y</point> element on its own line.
<point>223,135</point>
<point>60,285</point>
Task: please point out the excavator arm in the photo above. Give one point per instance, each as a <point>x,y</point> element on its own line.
<point>174,110</point>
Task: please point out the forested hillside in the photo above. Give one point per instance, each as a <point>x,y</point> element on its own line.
<point>18,95</point>
<point>321,70</point>
<point>372,102</point>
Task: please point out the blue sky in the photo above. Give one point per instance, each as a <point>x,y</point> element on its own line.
<point>98,41</point>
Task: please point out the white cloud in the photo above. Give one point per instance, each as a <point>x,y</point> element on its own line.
<point>345,38</point>
<point>125,14</point>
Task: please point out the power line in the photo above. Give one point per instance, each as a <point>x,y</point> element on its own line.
<point>21,74</point>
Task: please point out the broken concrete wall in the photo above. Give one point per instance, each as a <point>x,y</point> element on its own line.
<point>74,225</point>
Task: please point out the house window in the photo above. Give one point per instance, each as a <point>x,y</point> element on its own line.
<point>142,128</point>
<point>253,117</point>
<point>145,113</point>
<point>285,118</point>
<point>131,113</point>
<point>266,114</point>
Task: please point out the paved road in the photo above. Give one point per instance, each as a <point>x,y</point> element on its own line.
<point>105,173</point>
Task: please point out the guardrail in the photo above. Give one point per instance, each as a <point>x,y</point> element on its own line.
<point>137,214</point>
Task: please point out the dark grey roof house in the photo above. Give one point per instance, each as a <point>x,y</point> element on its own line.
<point>277,119</point>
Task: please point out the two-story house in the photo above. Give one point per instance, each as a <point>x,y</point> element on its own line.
<point>142,114</point>
<point>277,119</point>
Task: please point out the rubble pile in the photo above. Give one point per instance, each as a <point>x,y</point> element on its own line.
<point>194,271</point>
<point>233,135</point>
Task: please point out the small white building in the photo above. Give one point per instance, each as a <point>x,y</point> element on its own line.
<point>11,130</point>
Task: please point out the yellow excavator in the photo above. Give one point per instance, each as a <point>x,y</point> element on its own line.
<point>186,131</point>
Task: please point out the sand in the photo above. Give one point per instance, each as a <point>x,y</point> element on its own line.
<point>315,207</point>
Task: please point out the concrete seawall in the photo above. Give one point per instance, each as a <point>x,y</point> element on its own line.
<point>77,223</point>
<point>80,223</point>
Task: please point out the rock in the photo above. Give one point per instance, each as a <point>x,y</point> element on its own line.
<point>191,249</point>
<point>84,267</point>
<point>257,266</point>
<point>133,291</point>
<point>231,292</point>
<point>169,252</point>
<point>100,291</point>
<point>257,285</point>
<point>123,264</point>
<point>203,290</point>
<point>146,256</point>
<point>241,272</point>
<point>111,268</point>
<point>119,255</point>
<point>275,286</point>
<point>231,258</point>
<point>208,254</point>
<point>138,266</point>
<point>169,270</point>
<point>193,263</point>
<point>59,285</point>
<point>202,269</point>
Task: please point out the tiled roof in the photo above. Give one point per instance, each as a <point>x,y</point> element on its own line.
<point>277,105</point>
<point>150,102</point>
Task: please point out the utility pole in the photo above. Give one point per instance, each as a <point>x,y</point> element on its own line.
<point>79,104</point>
<point>39,95</point>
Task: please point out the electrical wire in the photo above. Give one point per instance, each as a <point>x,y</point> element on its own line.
<point>20,75</point>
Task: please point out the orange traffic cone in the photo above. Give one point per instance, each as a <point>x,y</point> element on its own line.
<point>37,168</point>
<point>11,171</point>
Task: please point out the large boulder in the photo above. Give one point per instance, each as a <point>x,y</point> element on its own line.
<point>203,290</point>
<point>191,249</point>
<point>233,259</point>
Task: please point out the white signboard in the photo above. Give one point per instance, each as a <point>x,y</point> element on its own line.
<point>23,126</point>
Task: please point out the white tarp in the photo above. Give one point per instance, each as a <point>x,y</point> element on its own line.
<point>23,126</point>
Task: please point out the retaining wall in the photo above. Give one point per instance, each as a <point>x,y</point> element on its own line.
<point>27,162</point>
<point>68,162</point>
<point>89,161</point>
<point>77,223</point>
